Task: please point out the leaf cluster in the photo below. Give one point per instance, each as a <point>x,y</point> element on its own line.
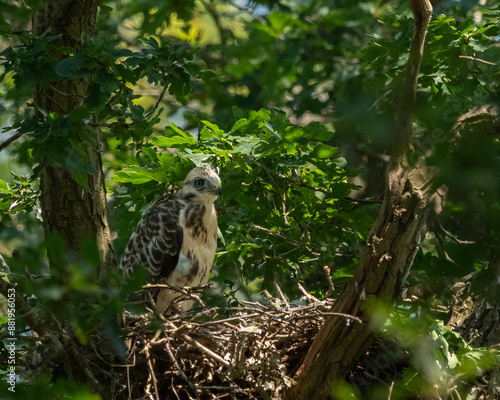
<point>18,195</point>
<point>458,68</point>
<point>426,355</point>
<point>110,102</point>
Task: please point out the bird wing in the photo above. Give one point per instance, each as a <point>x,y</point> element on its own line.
<point>157,240</point>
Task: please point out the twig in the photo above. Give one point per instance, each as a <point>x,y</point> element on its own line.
<point>331,288</point>
<point>283,206</point>
<point>129,387</point>
<point>62,109</point>
<point>440,227</point>
<point>323,313</point>
<point>282,255</point>
<point>185,291</point>
<point>160,98</point>
<point>363,201</point>
<point>441,243</point>
<point>293,241</point>
<point>283,299</point>
<point>172,385</point>
<point>151,370</point>
<point>349,316</point>
<point>205,350</point>
<point>66,94</point>
<point>478,59</point>
<point>309,296</point>
<point>175,288</point>
<point>309,260</point>
<point>456,392</point>
<point>179,369</point>
<point>255,303</point>
<point>390,390</point>
<point>222,321</point>
<point>232,388</point>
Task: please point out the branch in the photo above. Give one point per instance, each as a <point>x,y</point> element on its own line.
<point>331,288</point>
<point>179,369</point>
<point>13,138</point>
<point>166,83</point>
<point>478,59</point>
<point>363,201</point>
<point>308,295</point>
<point>439,228</point>
<point>151,372</point>
<point>187,291</point>
<point>206,350</point>
<point>422,11</point>
<point>287,239</point>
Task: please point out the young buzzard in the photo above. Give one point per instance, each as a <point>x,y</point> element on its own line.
<point>177,237</point>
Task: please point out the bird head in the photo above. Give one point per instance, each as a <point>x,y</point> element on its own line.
<point>202,183</point>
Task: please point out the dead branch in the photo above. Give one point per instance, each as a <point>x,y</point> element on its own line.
<point>181,372</point>
<point>152,375</point>
<point>308,295</point>
<point>331,288</point>
<point>187,291</point>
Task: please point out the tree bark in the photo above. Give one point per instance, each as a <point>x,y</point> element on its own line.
<point>74,212</point>
<point>410,199</point>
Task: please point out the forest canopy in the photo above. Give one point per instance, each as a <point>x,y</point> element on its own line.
<point>358,174</point>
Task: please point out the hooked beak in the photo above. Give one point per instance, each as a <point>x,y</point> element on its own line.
<point>216,188</point>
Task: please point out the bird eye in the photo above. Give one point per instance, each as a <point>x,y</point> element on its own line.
<point>198,183</point>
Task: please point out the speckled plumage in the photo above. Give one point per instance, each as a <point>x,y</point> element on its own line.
<point>177,237</point>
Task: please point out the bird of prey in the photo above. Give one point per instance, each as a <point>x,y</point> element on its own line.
<point>177,237</point>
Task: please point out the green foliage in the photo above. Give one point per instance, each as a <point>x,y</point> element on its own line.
<point>31,61</point>
<point>45,388</point>
<point>157,13</point>
<point>18,195</point>
<point>457,69</point>
<point>65,291</point>
<point>284,212</point>
<point>63,139</point>
<point>431,357</point>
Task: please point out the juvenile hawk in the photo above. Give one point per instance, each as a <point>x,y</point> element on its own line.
<point>177,237</point>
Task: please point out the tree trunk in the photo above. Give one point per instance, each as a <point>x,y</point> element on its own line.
<point>76,213</point>
<point>409,201</point>
<point>75,209</point>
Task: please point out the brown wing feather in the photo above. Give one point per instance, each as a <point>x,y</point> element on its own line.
<point>157,240</point>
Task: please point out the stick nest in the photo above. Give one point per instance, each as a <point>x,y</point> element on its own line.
<point>247,352</point>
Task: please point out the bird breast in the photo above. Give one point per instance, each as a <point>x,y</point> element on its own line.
<point>199,243</point>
